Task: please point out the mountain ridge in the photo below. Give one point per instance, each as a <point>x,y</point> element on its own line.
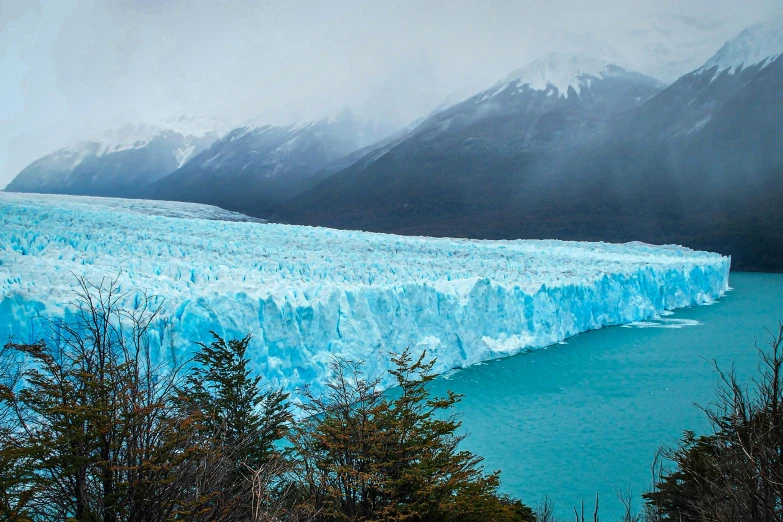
<point>118,162</point>
<point>256,167</point>
<point>697,163</point>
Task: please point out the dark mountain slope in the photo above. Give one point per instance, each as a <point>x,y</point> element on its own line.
<point>254,168</point>
<point>699,164</point>
<point>121,164</point>
<point>471,157</point>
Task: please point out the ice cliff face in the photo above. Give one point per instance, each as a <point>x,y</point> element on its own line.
<point>308,294</point>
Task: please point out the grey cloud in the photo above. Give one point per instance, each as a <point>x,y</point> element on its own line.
<point>72,68</point>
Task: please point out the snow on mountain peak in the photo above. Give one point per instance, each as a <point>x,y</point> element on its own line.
<point>560,71</point>
<point>129,136</point>
<point>137,135</point>
<point>760,43</point>
<point>267,121</point>
<point>196,126</point>
<point>195,131</point>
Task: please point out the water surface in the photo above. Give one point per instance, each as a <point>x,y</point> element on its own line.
<point>588,416</point>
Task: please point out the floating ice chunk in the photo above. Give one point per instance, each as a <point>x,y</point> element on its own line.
<point>663,323</point>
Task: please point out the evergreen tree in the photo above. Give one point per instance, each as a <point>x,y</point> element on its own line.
<point>365,456</point>
<point>430,477</point>
<point>233,402</point>
<point>237,420</point>
<point>18,482</point>
<point>93,432</point>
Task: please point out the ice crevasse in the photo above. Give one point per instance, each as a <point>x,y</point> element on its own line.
<point>308,294</point>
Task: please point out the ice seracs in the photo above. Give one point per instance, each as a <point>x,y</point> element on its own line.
<point>145,207</point>
<point>309,294</point>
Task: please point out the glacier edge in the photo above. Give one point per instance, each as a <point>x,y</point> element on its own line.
<point>308,294</point>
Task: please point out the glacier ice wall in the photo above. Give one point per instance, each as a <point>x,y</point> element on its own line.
<point>306,294</point>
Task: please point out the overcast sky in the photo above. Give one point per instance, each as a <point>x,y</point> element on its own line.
<point>70,69</point>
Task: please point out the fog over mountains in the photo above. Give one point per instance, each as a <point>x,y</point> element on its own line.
<point>604,157</point>
<point>119,163</point>
<point>257,167</point>
<point>469,158</point>
<point>572,146</point>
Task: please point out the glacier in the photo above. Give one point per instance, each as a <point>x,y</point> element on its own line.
<point>308,294</point>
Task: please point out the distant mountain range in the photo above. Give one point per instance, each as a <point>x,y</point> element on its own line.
<point>575,148</point>
<point>468,159</point>
<point>255,168</point>
<point>120,163</point>
<point>572,146</point>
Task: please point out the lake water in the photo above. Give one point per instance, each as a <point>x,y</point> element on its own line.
<point>588,416</point>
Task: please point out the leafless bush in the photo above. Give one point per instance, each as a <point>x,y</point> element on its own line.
<point>736,472</point>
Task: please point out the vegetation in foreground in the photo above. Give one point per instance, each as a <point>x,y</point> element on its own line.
<point>92,430</point>
<point>736,472</point>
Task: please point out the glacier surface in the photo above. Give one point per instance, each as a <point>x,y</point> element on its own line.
<point>307,294</point>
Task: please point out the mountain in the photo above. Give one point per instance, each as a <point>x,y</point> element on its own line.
<point>701,164</point>
<point>465,159</point>
<point>257,167</point>
<point>666,45</point>
<point>120,163</point>
<point>581,150</point>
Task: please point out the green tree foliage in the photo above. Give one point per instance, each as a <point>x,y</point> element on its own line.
<point>18,483</point>
<point>92,431</point>
<point>220,385</point>
<point>736,472</point>
<point>365,456</point>
<point>92,422</point>
<point>237,421</point>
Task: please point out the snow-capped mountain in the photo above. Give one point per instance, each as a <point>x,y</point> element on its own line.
<point>737,88</point>
<point>702,163</point>
<point>759,45</point>
<point>256,167</point>
<point>461,159</point>
<point>120,162</point>
<point>550,104</point>
<point>578,148</point>
<point>668,45</point>
<point>663,45</point>
<point>559,73</point>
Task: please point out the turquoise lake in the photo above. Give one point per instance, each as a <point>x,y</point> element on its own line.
<point>588,416</point>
